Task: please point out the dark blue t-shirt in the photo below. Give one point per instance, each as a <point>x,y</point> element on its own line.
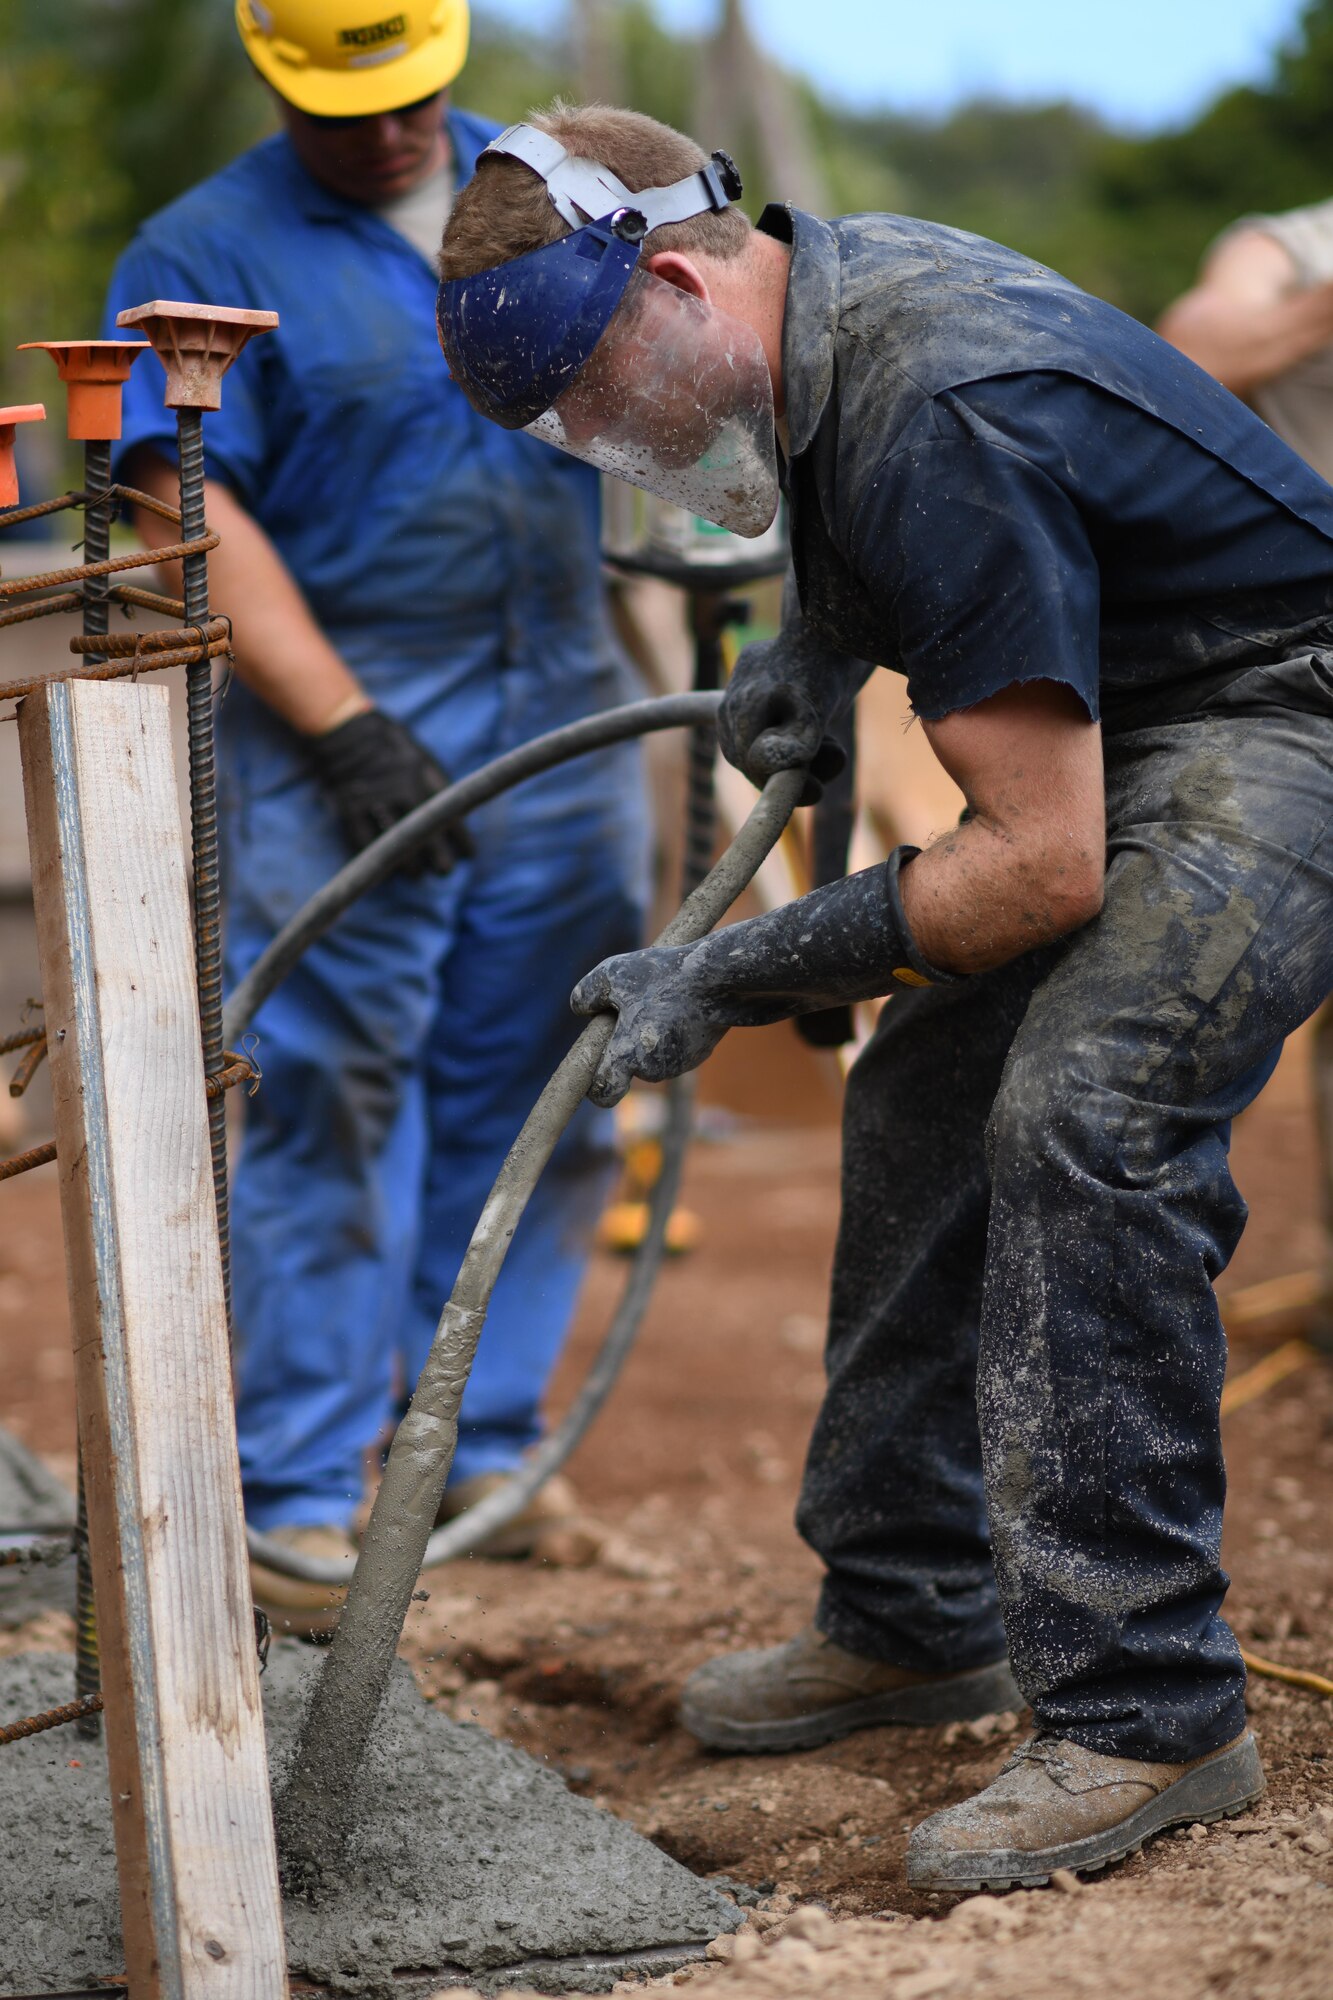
<point>1038,527</point>
<point>996,478</point>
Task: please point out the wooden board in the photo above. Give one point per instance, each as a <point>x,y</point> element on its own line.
<point>189,1777</point>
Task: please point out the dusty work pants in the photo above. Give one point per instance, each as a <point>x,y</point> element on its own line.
<point>1020,1440</point>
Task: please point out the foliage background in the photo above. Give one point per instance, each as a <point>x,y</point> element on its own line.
<point>108,108</point>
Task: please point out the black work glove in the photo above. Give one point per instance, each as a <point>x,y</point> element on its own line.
<point>374,772</point>
<point>782,696</point>
<point>847,942</point>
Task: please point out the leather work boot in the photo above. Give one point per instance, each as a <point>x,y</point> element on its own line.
<point>552,1528</point>
<point>1057,1805</point>
<point>810,1691</point>
<point>305,1610</point>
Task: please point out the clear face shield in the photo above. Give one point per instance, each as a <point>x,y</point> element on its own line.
<point>676,397</point>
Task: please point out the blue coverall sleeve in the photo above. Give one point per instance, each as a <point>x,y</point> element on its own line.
<point>235,435</point>
<point>984,572</point>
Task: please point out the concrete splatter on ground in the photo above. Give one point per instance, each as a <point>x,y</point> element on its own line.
<point>470,1858</point>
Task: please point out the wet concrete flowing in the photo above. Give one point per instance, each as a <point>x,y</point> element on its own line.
<point>470,1864</point>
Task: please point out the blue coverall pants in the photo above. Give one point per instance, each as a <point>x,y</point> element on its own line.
<point>1020,1440</point>
<point>399,1060</point>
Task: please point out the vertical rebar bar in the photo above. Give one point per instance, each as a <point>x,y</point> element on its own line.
<point>87,1664</point>
<point>96,624</point>
<point>96,540</point>
<point>204,817</point>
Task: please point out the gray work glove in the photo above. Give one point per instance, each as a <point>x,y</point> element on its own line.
<point>780,701</point>
<point>374,772</point>
<point>849,941</point>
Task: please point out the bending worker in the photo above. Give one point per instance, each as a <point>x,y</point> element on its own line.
<point>1109,586</point>
<point>412,593</point>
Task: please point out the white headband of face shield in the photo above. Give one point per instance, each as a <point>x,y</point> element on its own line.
<point>582,190</point>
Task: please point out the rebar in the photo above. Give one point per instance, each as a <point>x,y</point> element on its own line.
<point>23,1039</point>
<point>85,1708</point>
<point>142,559</point>
<point>43,607</point>
<point>28,1068</point>
<point>87,1663</point>
<point>23,1163</point>
<point>129,645</point>
<point>118,670</point>
<point>96,541</point>
<point>206,868</point>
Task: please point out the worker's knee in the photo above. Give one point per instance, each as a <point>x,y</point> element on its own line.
<point>1057,1109</point>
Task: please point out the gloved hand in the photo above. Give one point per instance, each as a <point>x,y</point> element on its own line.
<point>374,772</point>
<point>781,698</point>
<point>849,941</point>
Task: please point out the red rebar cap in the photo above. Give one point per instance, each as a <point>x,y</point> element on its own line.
<point>10,418</point>
<point>196,345</point>
<point>94,372</point>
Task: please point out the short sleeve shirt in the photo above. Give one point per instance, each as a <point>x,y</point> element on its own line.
<point>995,479</point>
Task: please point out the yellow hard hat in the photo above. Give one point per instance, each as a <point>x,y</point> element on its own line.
<point>354,58</point>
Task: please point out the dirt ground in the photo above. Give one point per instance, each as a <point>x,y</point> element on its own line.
<point>696,1465</point>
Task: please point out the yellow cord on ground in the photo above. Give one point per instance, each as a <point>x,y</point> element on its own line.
<point>1277,1295</point>
<point>1293,1676</point>
<point>1283,1361</point>
<point>1296,1292</point>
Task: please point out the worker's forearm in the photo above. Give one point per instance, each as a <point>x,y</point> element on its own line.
<point>281,654</point>
<point>1246,345</point>
<point>980,897</point>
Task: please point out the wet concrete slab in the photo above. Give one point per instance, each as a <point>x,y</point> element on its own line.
<point>473,1864</point>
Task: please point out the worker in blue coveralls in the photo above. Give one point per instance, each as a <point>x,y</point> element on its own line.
<point>412,592</point>
<point>1110,589</point>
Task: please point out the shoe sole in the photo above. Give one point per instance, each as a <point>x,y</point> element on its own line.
<point>1226,1785</point>
<point>960,1698</point>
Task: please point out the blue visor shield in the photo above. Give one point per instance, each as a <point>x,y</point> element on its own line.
<point>641,379</point>
<point>516,336</point>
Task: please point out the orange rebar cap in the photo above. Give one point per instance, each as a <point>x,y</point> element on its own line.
<point>196,345</point>
<point>10,419</point>
<point>94,372</point>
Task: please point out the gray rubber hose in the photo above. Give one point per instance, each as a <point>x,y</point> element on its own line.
<point>377,862</point>
<point>317,1809</point>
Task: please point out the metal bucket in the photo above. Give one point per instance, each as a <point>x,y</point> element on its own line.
<point>646,536</point>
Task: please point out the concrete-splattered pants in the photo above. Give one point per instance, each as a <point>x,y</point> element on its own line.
<point>1020,1438</point>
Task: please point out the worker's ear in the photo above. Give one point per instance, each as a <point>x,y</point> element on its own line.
<point>680,272</point>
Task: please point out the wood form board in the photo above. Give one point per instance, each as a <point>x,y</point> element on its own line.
<point>189,1775</point>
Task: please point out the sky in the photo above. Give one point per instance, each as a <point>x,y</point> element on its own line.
<point>1141,63</point>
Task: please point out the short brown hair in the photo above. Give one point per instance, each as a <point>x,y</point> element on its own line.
<point>505,211</point>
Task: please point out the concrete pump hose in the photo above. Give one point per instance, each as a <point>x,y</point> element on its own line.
<point>378,861</point>
<point>317,1810</point>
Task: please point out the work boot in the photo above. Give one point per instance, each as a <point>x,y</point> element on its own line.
<point>552,1528</point>
<point>305,1610</point>
<point>1057,1805</point>
<point>810,1691</point>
